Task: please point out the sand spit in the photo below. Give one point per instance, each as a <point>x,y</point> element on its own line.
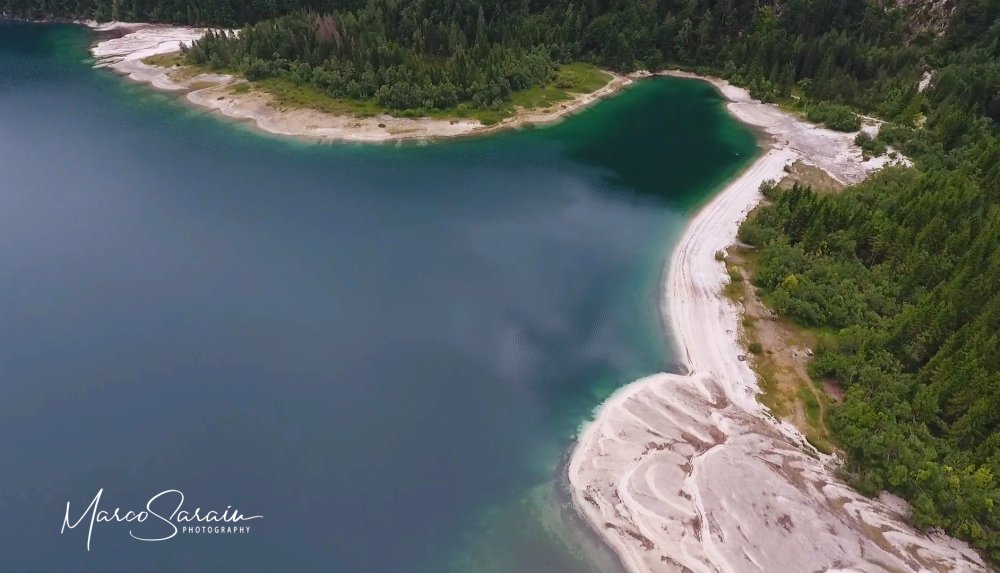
<point>690,473</point>
<point>124,54</point>
<point>215,92</point>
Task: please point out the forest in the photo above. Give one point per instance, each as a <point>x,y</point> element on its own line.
<point>900,274</point>
<point>402,63</point>
<point>852,52</point>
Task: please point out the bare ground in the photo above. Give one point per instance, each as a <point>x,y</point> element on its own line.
<point>782,362</point>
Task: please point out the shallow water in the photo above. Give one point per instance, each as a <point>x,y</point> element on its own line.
<point>383,350</point>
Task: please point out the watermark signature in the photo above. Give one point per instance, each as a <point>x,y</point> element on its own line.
<point>163,518</point>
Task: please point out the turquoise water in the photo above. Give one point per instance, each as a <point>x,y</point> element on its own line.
<point>384,350</point>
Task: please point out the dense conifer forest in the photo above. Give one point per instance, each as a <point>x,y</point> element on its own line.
<point>402,59</point>
<point>901,274</point>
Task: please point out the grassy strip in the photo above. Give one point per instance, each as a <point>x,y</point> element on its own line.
<point>168,60</point>
<point>783,391</point>
<point>180,68</point>
<point>289,94</point>
<point>571,79</point>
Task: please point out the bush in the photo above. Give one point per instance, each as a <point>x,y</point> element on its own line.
<point>871,146</point>
<point>769,187</point>
<point>752,233</point>
<point>833,116</point>
<point>259,70</point>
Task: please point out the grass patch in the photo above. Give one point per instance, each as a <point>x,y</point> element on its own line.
<point>771,395</point>
<point>168,60</point>
<point>486,116</point>
<point>180,68</point>
<point>538,97</point>
<point>734,291</point>
<point>819,442</point>
<point>202,85</point>
<point>575,78</point>
<point>811,405</point>
<point>784,391</point>
<point>289,94</point>
<point>581,77</point>
<point>578,77</point>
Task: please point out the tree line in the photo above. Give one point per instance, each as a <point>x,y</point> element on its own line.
<point>854,52</point>
<point>903,272</point>
<point>389,52</point>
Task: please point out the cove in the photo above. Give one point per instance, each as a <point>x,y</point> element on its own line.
<point>385,351</point>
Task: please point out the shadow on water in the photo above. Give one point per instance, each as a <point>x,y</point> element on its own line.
<point>664,142</point>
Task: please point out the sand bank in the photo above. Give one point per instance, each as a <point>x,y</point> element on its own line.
<point>215,92</point>
<point>690,472</point>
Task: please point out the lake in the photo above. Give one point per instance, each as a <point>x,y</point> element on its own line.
<point>385,351</point>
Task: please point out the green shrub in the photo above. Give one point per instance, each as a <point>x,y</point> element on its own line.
<point>871,146</point>
<point>834,116</point>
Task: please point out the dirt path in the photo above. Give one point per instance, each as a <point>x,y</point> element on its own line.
<point>783,358</point>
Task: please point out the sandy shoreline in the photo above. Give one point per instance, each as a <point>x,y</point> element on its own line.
<point>214,92</point>
<point>690,472</point>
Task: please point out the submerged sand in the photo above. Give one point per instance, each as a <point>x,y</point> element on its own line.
<point>690,472</point>
<point>215,92</point>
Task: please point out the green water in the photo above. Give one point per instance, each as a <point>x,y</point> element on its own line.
<point>385,350</point>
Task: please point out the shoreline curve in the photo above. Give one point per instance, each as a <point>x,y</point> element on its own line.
<point>212,91</point>
<point>690,472</point>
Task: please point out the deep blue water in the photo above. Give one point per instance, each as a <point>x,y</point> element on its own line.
<point>385,351</point>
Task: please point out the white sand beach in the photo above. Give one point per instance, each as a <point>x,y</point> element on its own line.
<point>214,92</point>
<point>690,472</point>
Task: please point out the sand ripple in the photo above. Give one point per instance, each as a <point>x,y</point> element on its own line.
<point>691,473</point>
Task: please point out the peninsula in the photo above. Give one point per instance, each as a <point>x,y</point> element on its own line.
<point>690,472</point>
<point>152,54</point>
